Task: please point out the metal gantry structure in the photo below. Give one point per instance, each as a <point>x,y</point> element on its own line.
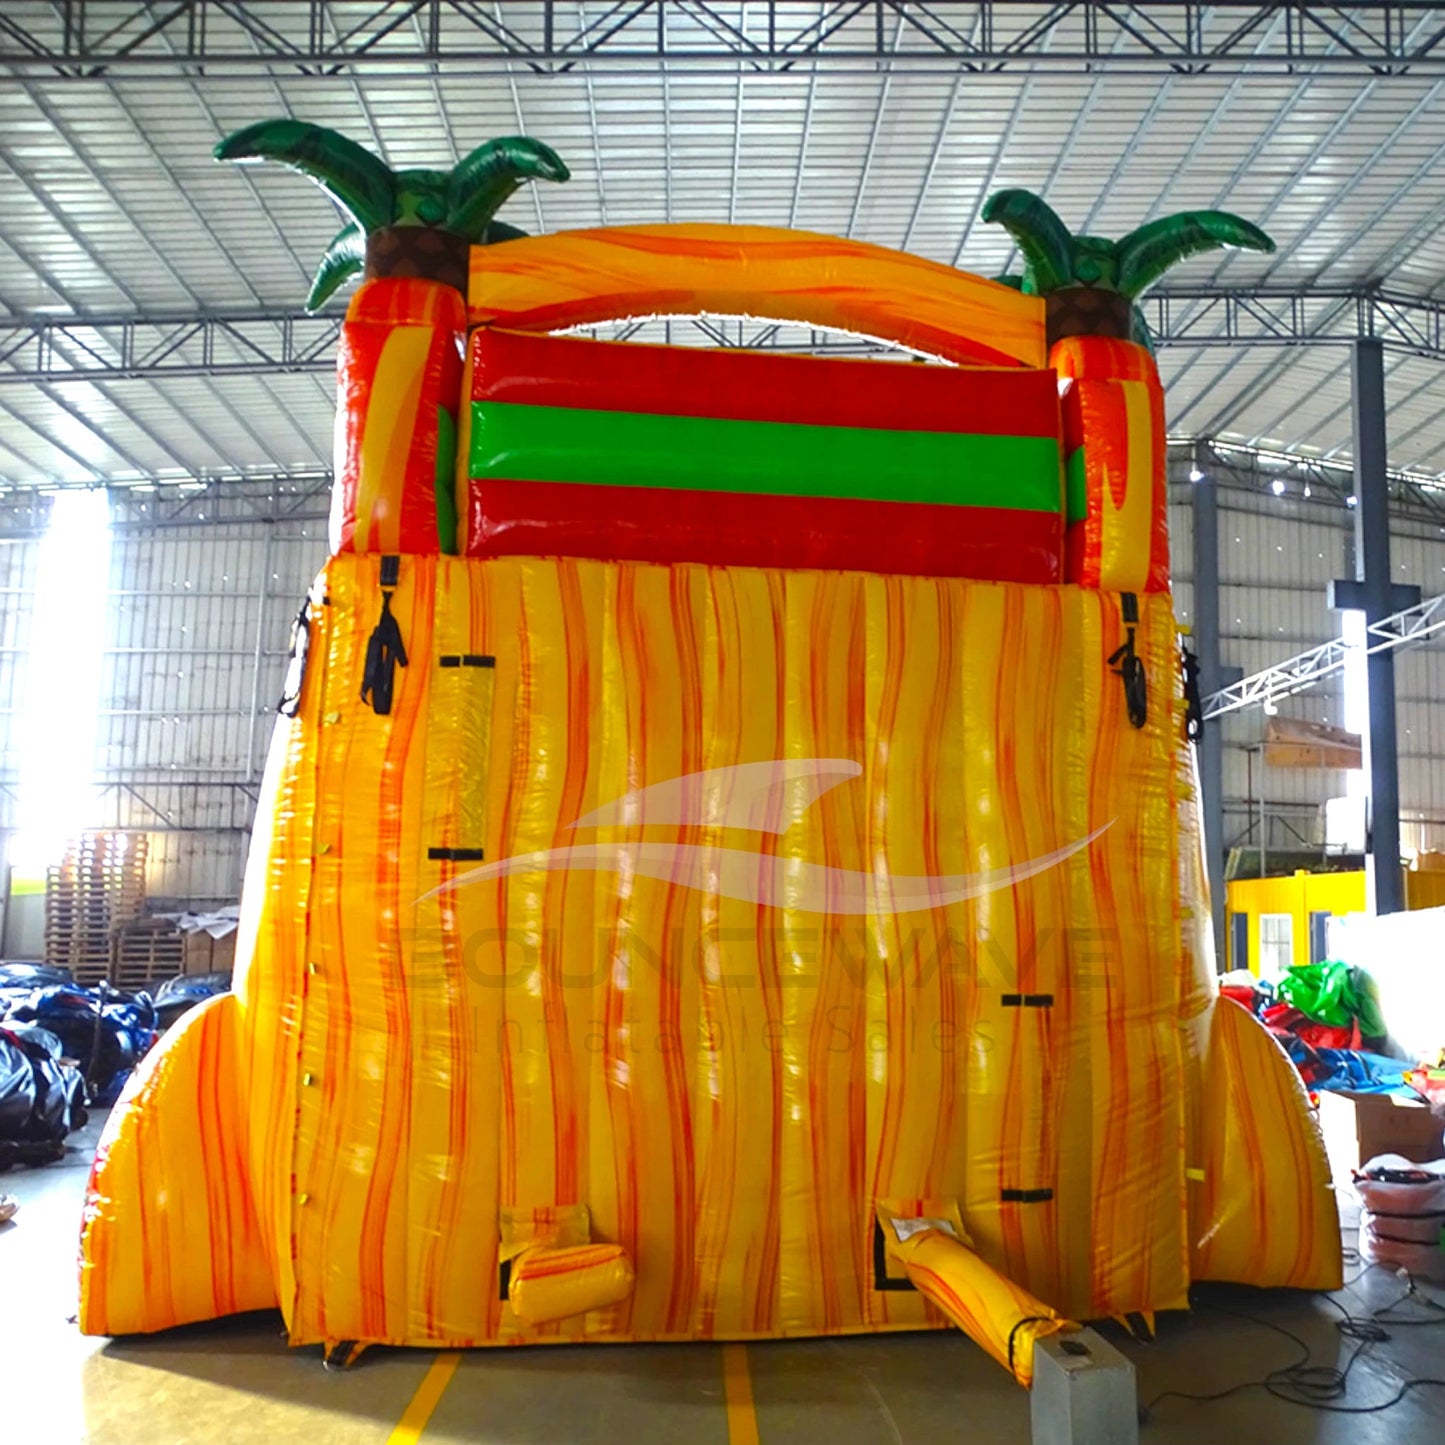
<point>264,341</point>
<point>1270,685</point>
<point>135,346</point>
<point>219,39</point>
<point>1265,315</point>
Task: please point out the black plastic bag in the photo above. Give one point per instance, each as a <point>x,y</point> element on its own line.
<point>42,1097</point>
<point>177,996</point>
<point>108,1031</point>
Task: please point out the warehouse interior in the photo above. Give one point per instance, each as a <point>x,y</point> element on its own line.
<point>167,415</point>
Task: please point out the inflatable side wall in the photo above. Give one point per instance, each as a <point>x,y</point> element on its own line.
<point>751,888</point>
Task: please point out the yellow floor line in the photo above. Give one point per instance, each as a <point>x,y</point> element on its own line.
<point>738,1387</point>
<point>428,1395</point>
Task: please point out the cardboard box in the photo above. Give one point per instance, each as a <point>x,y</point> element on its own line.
<point>1357,1127</point>
<point>205,954</point>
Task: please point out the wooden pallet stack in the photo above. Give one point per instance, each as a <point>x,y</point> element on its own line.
<point>145,953</point>
<point>90,897</point>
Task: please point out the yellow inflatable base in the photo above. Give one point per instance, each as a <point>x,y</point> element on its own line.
<point>725,1061</point>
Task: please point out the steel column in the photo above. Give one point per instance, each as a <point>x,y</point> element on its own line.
<point>1372,572</point>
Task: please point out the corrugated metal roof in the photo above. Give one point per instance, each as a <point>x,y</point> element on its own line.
<point>111,203</point>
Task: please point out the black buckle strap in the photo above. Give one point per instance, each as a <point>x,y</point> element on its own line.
<point>1193,699</point>
<point>385,650</point>
<point>1129,666</point>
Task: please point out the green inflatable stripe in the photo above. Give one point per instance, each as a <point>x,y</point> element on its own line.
<point>636,449</point>
<point>446,482</point>
<point>1076,491</point>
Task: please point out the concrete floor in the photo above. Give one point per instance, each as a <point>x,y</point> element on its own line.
<point>236,1381</point>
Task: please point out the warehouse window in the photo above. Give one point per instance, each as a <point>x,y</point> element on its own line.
<point>1276,944</point>
<point>57,727</point>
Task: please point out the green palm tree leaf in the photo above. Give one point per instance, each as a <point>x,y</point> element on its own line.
<point>498,231</point>
<point>1042,237</point>
<point>350,175</point>
<point>1147,253</point>
<point>482,181</point>
<point>1012,280</point>
<point>345,256</point>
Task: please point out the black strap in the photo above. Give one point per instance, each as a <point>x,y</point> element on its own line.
<point>1025,1196</point>
<point>385,652</point>
<point>1193,700</point>
<point>1129,666</point>
<point>296,668</point>
<point>1027,1000</point>
<point>1018,1325</point>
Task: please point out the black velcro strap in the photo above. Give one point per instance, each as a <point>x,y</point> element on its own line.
<point>385,652</point>
<point>466,659</point>
<point>456,855</point>
<point>1131,607</point>
<point>1026,1196</point>
<point>1128,666</point>
<point>390,571</point>
<point>1028,1000</point>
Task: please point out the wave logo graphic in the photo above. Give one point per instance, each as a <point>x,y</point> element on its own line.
<point>762,798</point>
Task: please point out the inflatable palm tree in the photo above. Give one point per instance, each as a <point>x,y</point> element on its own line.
<point>1112,402</point>
<point>404,223</point>
<point>399,362</point>
<point>1091,285</point>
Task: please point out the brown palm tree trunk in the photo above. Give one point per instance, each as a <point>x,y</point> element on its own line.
<point>422,252</point>
<point>1087,311</point>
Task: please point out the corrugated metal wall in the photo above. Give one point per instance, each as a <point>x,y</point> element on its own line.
<point>18,553</point>
<point>204,586</point>
<point>202,592</point>
<point>1276,558</point>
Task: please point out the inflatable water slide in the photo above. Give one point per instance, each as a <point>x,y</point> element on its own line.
<point>727,866</point>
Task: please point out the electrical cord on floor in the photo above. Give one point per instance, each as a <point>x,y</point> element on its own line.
<point>1388,1314</point>
<point>1319,1387</point>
